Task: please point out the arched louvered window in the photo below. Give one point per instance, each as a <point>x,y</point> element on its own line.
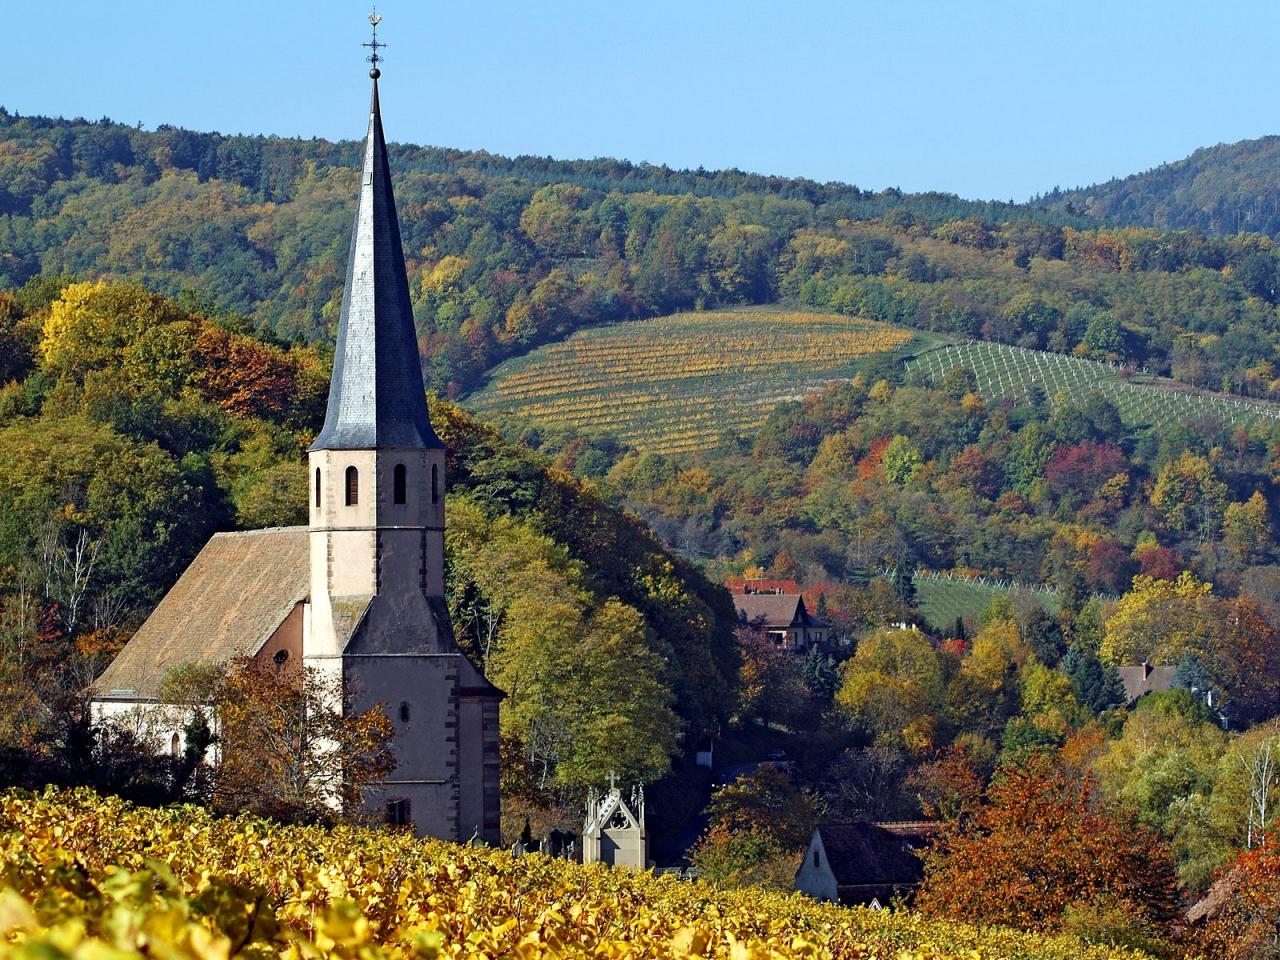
<point>353,486</point>
<point>317,486</point>
<point>398,483</point>
<point>435,484</point>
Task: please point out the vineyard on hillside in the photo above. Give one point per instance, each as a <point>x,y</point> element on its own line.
<point>941,599</point>
<point>92,877</point>
<point>683,382</point>
<point>1006,373</point>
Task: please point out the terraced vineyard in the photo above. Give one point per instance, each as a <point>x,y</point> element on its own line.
<point>682,382</point>
<point>1005,373</point>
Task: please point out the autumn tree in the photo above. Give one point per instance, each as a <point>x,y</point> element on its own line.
<point>588,691</point>
<point>287,751</point>
<point>1162,770</point>
<point>951,785</point>
<point>1189,496</point>
<point>1161,621</point>
<point>1244,925</point>
<point>771,680</point>
<point>1038,846</point>
<point>1245,661</point>
<point>985,691</point>
<point>901,461</point>
<point>97,324</point>
<point>1246,527</point>
<point>893,684</point>
<point>758,826</point>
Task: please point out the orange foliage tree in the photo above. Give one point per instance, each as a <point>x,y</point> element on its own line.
<point>1245,925</point>
<point>1038,846</point>
<point>287,752</point>
<point>242,376</point>
<point>949,786</point>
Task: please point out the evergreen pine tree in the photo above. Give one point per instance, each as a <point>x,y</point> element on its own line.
<point>819,674</point>
<point>903,581</point>
<point>1097,685</point>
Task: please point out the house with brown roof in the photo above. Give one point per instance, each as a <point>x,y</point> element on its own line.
<point>357,595</point>
<point>864,863</point>
<point>1143,679</point>
<point>784,617</point>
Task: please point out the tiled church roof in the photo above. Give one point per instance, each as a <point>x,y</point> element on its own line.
<point>227,604</point>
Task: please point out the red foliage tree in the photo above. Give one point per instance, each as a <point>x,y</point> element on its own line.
<point>869,467</point>
<point>1108,568</point>
<point>1159,562</point>
<point>1083,467</point>
<point>974,469</point>
<point>1249,659</point>
<point>1036,846</point>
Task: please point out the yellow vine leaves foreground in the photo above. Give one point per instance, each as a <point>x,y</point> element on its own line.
<point>90,878</point>
<point>677,383</point>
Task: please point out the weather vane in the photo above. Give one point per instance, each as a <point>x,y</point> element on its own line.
<point>374,45</point>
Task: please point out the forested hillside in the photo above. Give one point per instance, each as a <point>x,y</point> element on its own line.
<point>502,253</point>
<point>507,254</point>
<point>1225,189</point>
<point>131,429</point>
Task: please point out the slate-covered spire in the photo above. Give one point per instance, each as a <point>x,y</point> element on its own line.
<point>376,396</point>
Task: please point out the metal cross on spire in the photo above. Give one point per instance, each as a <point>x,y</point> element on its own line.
<point>374,45</point>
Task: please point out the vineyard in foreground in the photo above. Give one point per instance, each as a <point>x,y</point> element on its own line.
<point>682,382</point>
<point>1006,373</point>
<point>95,879</point>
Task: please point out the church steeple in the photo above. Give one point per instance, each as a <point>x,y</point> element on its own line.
<point>376,620</point>
<point>376,396</point>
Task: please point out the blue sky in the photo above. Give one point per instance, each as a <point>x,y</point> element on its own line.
<point>986,99</point>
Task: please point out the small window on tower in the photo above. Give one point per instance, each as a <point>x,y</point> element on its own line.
<point>398,813</point>
<point>435,484</point>
<point>404,711</point>
<point>398,483</point>
<point>317,486</point>
<point>353,486</point>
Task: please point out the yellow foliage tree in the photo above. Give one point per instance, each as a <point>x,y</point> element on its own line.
<point>1161,621</point>
<point>984,692</point>
<point>1189,496</point>
<point>892,684</point>
<point>1048,700</point>
<point>93,324</point>
<point>1246,527</point>
<point>443,279</point>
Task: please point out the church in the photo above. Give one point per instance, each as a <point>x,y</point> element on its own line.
<point>358,593</point>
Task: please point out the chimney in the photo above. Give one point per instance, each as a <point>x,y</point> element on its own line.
<point>1146,670</point>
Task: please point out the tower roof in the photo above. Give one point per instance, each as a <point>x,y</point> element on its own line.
<point>376,397</point>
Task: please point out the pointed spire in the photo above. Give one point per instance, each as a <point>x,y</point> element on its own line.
<point>376,396</point>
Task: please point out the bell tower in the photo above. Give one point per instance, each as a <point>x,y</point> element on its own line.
<point>376,616</point>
